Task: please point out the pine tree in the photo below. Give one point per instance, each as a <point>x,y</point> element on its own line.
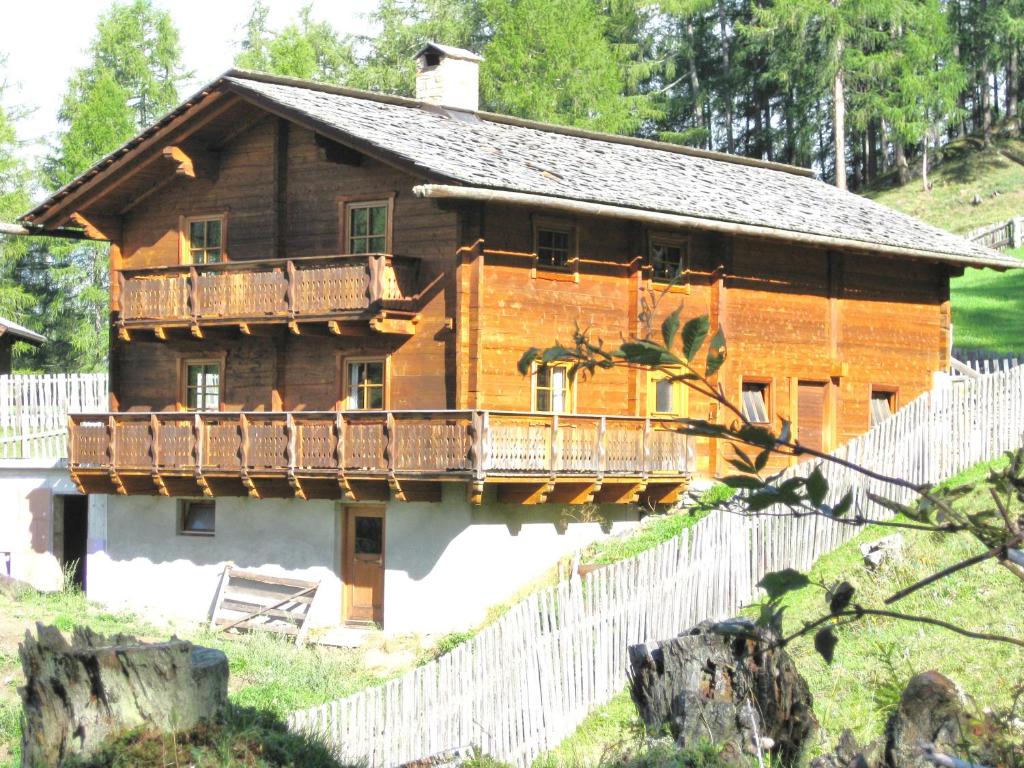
<point>15,179</point>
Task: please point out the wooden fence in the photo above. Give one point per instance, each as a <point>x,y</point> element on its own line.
<point>983,361</point>
<point>34,411</point>
<point>1005,234</point>
<point>526,681</point>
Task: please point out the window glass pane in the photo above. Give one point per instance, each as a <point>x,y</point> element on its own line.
<point>755,406</point>
<point>199,517</point>
<point>543,377</point>
<point>197,234</point>
<point>666,260</point>
<point>378,220</point>
<point>213,234</point>
<point>359,222</point>
<point>212,256</point>
<point>374,373</point>
<point>558,390</point>
<point>369,536</point>
<point>376,245</point>
<point>375,397</point>
<point>543,400</point>
<point>664,396</point>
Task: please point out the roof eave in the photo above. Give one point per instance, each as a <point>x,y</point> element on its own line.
<point>580,207</point>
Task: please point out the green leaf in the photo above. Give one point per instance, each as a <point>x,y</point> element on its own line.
<point>670,327</point>
<point>716,353</point>
<point>758,436</point>
<point>526,361</point>
<point>743,481</point>
<point>844,505</point>
<point>554,354</point>
<point>778,583</point>
<point>840,596</point>
<point>694,333</point>
<point>817,487</point>
<point>646,353</point>
<point>825,642</point>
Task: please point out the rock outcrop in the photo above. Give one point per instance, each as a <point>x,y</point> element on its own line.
<point>725,683</point>
<point>77,695</point>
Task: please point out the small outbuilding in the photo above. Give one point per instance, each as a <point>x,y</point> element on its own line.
<point>11,332</point>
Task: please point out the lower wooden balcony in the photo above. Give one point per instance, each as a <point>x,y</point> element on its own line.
<point>529,458</point>
<point>323,289</point>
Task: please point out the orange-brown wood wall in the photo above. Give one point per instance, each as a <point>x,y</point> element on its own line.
<point>790,313</point>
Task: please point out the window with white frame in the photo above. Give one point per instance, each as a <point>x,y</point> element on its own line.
<point>205,240</point>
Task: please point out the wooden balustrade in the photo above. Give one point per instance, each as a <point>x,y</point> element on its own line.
<point>472,445</point>
<point>250,291</point>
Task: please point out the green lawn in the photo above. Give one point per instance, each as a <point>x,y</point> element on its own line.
<point>988,307</point>
<point>876,658</point>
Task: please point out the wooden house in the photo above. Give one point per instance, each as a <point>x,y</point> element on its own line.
<point>10,334</point>
<point>319,296</point>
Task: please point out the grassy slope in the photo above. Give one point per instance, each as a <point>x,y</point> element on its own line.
<point>875,658</point>
<point>268,673</point>
<point>986,304</point>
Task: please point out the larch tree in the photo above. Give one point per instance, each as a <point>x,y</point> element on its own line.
<point>15,180</point>
<point>552,61</point>
<point>307,49</point>
<point>131,80</point>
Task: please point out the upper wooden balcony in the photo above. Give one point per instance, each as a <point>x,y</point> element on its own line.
<point>380,288</point>
<point>531,458</point>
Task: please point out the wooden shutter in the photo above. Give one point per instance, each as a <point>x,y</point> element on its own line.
<point>811,414</point>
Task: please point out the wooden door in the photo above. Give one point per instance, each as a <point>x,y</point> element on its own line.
<point>364,565</point>
<point>810,414</point>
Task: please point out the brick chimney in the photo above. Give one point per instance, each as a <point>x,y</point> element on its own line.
<point>448,77</point>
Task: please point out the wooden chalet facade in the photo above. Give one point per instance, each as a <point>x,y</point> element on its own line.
<point>322,294</point>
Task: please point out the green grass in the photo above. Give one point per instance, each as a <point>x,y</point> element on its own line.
<point>987,307</point>
<point>269,674</point>
<point>656,530</point>
<point>875,658</point>
<point>986,304</point>
<point>966,170</point>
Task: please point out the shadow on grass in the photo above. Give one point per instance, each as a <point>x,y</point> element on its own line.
<point>246,737</point>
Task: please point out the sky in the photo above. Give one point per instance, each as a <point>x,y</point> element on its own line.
<point>44,41</point>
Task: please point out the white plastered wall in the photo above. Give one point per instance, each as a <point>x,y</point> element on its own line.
<point>141,562</point>
<point>446,563</point>
<point>28,493</point>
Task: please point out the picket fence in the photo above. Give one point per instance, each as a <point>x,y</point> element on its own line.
<point>526,681</point>
<point>984,362</point>
<point>34,411</point>
<point>1005,234</point>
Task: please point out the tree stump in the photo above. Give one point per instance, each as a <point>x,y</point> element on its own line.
<point>78,695</point>
<point>723,683</point>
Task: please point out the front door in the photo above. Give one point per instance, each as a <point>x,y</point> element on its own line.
<point>810,414</point>
<point>364,565</point>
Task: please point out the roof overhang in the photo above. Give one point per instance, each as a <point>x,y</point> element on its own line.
<point>10,330</point>
<point>583,208</point>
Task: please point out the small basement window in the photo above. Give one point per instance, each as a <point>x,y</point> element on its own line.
<point>554,247</point>
<point>197,518</point>
<point>365,385</point>
<point>755,402</point>
<point>883,405</point>
<point>667,259</point>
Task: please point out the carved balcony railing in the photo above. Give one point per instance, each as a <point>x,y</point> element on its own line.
<point>268,290</point>
<point>473,446</point>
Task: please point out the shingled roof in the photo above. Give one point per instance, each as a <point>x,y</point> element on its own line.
<point>493,152</point>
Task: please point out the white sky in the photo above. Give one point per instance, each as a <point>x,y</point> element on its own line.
<point>45,40</point>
